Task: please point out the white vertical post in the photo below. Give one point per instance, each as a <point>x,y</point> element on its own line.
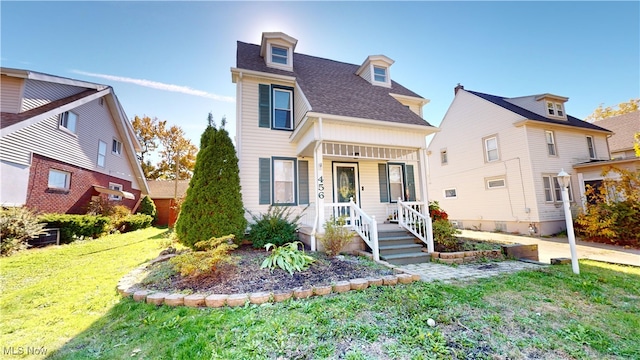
<point>422,160</point>
<point>564,183</point>
<point>321,190</point>
<point>374,238</point>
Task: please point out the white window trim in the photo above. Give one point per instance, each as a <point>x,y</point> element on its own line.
<point>294,180</point>
<point>444,193</point>
<point>553,139</point>
<point>387,81</point>
<point>444,157</point>
<point>115,186</point>
<point>554,181</point>
<point>273,115</point>
<point>67,180</point>
<point>103,156</point>
<point>64,116</point>
<point>288,66</point>
<point>556,108</point>
<point>119,152</point>
<point>486,149</point>
<point>488,181</point>
<point>593,147</point>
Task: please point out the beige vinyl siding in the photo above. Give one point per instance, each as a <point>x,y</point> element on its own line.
<point>366,74</point>
<point>469,120</point>
<point>10,94</point>
<point>367,134</point>
<point>300,106</point>
<point>45,138</point>
<point>38,93</point>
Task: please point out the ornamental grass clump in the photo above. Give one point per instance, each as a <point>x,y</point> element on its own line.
<point>287,257</point>
<point>207,258</point>
<point>336,235</point>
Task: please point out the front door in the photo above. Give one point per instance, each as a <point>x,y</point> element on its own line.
<point>345,182</point>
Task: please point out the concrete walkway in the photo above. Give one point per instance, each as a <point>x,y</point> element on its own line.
<point>447,273</point>
<point>549,248</point>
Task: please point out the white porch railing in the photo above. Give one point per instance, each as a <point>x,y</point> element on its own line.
<point>359,221</point>
<point>412,218</point>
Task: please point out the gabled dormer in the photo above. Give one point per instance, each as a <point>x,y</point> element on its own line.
<point>375,70</point>
<point>277,50</point>
<point>552,106</point>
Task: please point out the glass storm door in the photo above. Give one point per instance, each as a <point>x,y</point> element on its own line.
<point>345,182</point>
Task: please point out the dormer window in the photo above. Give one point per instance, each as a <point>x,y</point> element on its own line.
<point>380,74</point>
<point>555,109</point>
<point>279,55</point>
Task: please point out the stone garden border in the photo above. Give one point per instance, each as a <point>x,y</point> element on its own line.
<point>128,286</point>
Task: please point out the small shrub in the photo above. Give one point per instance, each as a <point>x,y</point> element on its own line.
<point>77,226</point>
<point>287,257</point>
<point>444,234</point>
<point>211,254</point>
<point>276,226</point>
<point>117,216</point>
<point>148,207</point>
<point>17,226</point>
<point>336,236</point>
<point>100,205</point>
<point>136,222</point>
<point>436,212</point>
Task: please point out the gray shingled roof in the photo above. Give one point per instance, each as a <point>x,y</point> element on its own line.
<point>571,121</point>
<point>332,87</point>
<point>623,126</point>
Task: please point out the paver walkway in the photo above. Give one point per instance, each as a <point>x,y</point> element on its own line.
<point>447,273</point>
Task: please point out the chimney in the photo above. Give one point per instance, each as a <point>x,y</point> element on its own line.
<point>459,87</point>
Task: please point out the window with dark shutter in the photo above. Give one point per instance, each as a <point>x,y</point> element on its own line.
<point>264,114</point>
<point>303,181</point>
<point>411,183</point>
<point>264,186</point>
<point>384,183</point>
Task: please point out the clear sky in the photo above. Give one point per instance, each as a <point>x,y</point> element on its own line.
<point>171,60</point>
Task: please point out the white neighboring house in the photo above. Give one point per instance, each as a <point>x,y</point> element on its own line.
<point>494,164</point>
<point>64,141</point>
<point>318,132</point>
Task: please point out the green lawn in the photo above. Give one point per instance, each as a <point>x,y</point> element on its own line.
<point>56,295</point>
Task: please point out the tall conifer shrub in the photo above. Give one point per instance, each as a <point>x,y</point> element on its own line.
<point>213,204</point>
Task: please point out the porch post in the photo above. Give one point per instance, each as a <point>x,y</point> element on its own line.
<point>320,190</point>
<point>422,159</point>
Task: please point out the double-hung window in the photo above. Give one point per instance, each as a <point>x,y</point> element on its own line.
<point>444,159</point>
<point>551,143</point>
<point>117,187</point>
<point>279,55</point>
<point>284,180</point>
<point>592,147</point>
<point>116,147</point>
<point>282,109</point>
<point>102,153</point>
<point>380,74</point>
<point>59,180</point>
<point>555,109</point>
<point>396,182</point>
<point>68,121</point>
<point>491,149</point>
<point>553,190</point>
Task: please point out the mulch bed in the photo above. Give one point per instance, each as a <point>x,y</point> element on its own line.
<point>248,277</point>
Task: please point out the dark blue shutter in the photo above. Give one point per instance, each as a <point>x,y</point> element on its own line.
<point>264,114</point>
<point>303,181</point>
<point>264,187</point>
<point>384,184</point>
<point>411,183</point>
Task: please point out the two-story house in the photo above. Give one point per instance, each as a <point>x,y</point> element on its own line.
<point>64,141</point>
<point>494,164</point>
<point>319,132</point>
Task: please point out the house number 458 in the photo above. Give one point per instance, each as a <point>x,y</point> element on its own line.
<point>320,188</point>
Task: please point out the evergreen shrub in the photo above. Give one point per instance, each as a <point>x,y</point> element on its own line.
<point>77,226</point>
<point>148,207</point>
<point>17,226</point>
<point>277,226</point>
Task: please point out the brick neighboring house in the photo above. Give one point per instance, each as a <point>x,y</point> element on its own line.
<point>64,141</point>
<point>163,193</point>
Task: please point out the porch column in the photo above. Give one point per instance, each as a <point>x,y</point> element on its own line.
<point>422,160</point>
<point>319,195</point>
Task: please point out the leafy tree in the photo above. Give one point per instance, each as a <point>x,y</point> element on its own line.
<point>175,146</point>
<point>636,143</point>
<point>623,108</point>
<point>147,130</point>
<point>213,204</point>
<point>148,207</point>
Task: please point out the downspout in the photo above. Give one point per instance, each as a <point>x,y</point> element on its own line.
<point>315,163</point>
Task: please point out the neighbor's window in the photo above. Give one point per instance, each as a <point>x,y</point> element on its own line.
<point>380,74</point>
<point>68,121</point>
<point>450,193</point>
<point>444,160</point>
<point>282,109</point>
<point>551,143</point>
<point>116,147</point>
<point>102,153</point>
<point>279,55</point>
<point>59,180</point>
<point>491,149</point>
<point>118,187</point>
<point>553,190</point>
<point>495,183</point>
<point>396,184</point>
<point>283,181</point>
<point>592,147</point>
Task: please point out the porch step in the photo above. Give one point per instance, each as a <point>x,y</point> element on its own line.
<point>396,240</point>
<point>399,249</point>
<point>406,258</point>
